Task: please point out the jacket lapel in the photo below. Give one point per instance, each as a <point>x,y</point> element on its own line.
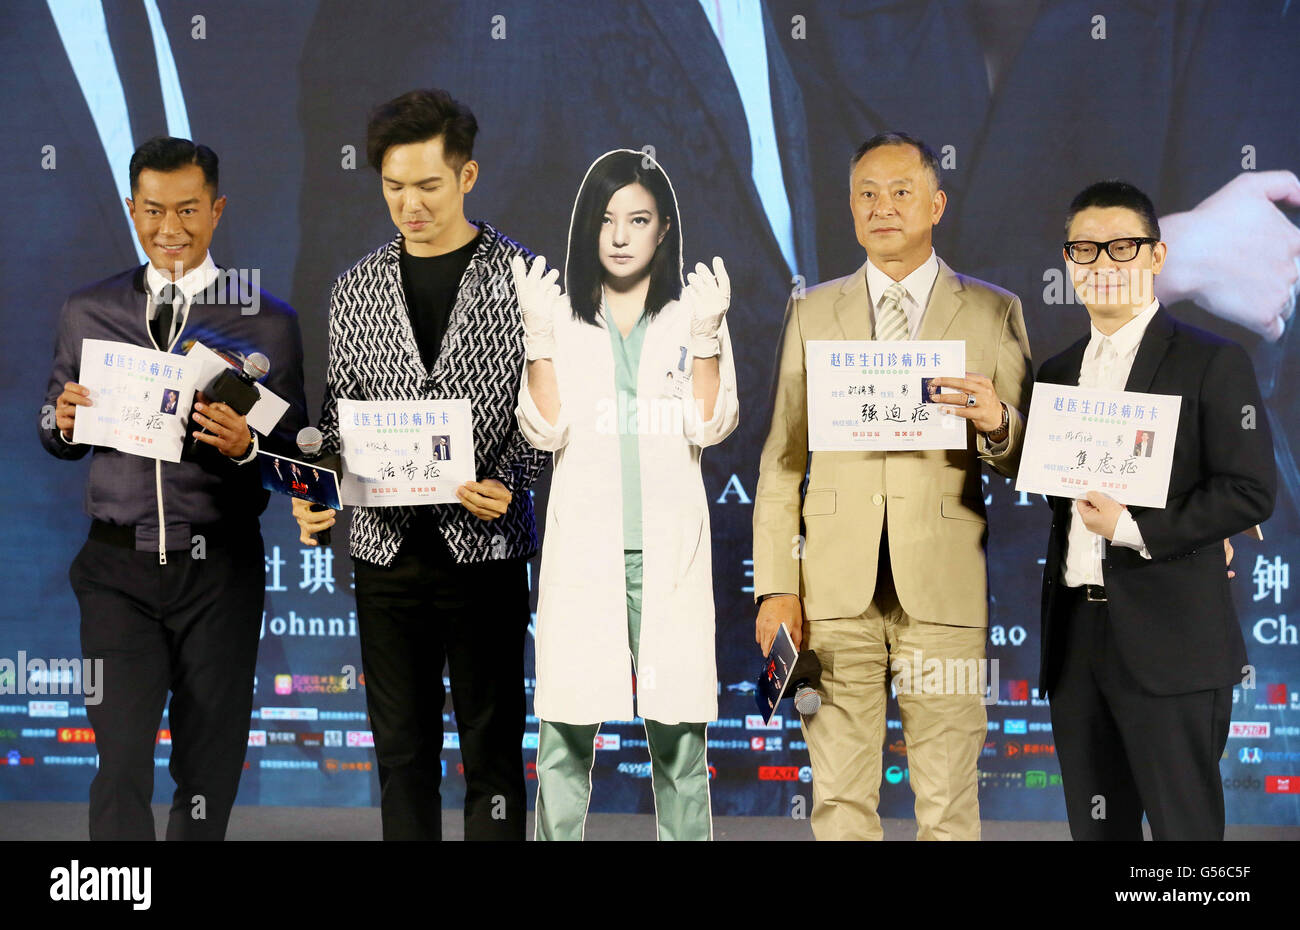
<point>75,120</point>
<point>791,128</point>
<point>391,306</point>
<point>945,301</point>
<point>685,30</point>
<point>1068,366</point>
<point>852,306</point>
<point>1151,351</point>
<point>467,299</point>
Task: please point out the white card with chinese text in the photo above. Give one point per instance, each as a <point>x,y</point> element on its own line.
<point>1082,439</point>
<point>404,452</point>
<point>870,396</point>
<point>140,399</point>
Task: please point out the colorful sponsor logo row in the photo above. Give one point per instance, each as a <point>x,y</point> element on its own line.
<point>892,775</point>
<point>318,684</point>
<point>1250,729</point>
<point>353,739</point>
<point>1271,784</point>
<point>1012,749</point>
<point>1254,755</point>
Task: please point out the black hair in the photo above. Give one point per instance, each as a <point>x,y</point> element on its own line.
<point>583,272</point>
<point>418,116</point>
<point>1113,192</point>
<point>167,153</point>
<point>928,156</point>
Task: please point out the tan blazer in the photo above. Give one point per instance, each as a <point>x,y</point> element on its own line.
<point>937,524</point>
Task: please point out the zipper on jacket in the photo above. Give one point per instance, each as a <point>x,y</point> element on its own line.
<point>162,526</point>
<point>157,465</point>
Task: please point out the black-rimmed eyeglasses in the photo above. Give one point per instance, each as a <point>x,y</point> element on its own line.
<point>1085,251</point>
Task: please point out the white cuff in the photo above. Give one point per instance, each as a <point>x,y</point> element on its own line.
<point>705,346</point>
<point>1128,535</point>
<point>66,440</point>
<point>984,447</point>
<point>539,347</point>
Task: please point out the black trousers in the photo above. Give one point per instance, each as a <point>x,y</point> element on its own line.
<point>423,610</point>
<point>1124,751</point>
<point>190,626</point>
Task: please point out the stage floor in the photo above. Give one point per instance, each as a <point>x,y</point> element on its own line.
<point>22,820</point>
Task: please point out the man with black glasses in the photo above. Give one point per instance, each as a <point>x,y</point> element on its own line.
<point>1141,645</point>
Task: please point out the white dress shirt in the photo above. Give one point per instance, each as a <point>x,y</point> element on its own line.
<point>194,281</point>
<point>918,284</point>
<point>1107,361</point>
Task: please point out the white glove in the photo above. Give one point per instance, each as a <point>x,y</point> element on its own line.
<point>537,293</point>
<point>708,294</point>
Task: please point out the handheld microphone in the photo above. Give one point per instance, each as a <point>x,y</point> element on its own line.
<point>804,678</point>
<point>309,446</point>
<point>235,387</point>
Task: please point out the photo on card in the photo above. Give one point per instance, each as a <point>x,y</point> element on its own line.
<point>1143,441</point>
<point>310,482</point>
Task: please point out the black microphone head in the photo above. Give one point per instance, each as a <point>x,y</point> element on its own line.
<point>309,440</point>
<point>256,366</point>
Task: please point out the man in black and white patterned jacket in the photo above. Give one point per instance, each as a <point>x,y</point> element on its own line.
<point>433,315</point>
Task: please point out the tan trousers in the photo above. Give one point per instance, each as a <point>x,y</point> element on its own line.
<point>944,731</point>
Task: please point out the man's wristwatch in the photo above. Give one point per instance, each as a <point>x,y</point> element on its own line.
<point>998,435</point>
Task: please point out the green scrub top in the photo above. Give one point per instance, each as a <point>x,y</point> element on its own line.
<point>627,361</point>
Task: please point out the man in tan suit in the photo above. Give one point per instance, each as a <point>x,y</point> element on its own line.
<point>879,565</point>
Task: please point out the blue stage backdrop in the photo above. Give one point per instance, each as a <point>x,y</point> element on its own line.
<point>1026,102</point>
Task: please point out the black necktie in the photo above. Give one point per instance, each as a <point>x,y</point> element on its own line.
<point>137,67</point>
<point>162,321</point>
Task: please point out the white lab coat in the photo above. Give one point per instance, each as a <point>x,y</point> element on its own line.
<point>583,659</point>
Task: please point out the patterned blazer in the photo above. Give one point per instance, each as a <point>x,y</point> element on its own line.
<point>373,355</point>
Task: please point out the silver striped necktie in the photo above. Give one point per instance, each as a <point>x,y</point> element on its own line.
<point>891,321</point>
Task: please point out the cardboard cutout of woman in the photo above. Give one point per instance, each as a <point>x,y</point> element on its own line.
<point>629,377</point>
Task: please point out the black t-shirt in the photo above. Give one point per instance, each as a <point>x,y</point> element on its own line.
<point>431,284</point>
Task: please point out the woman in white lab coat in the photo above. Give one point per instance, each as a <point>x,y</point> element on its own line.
<point>629,376</point>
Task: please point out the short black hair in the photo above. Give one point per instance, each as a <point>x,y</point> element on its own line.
<point>1113,192</point>
<point>928,156</point>
<point>583,272</point>
<point>418,116</point>
<point>167,153</point>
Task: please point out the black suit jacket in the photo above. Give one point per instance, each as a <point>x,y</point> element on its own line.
<point>1172,615</point>
<point>872,65</point>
